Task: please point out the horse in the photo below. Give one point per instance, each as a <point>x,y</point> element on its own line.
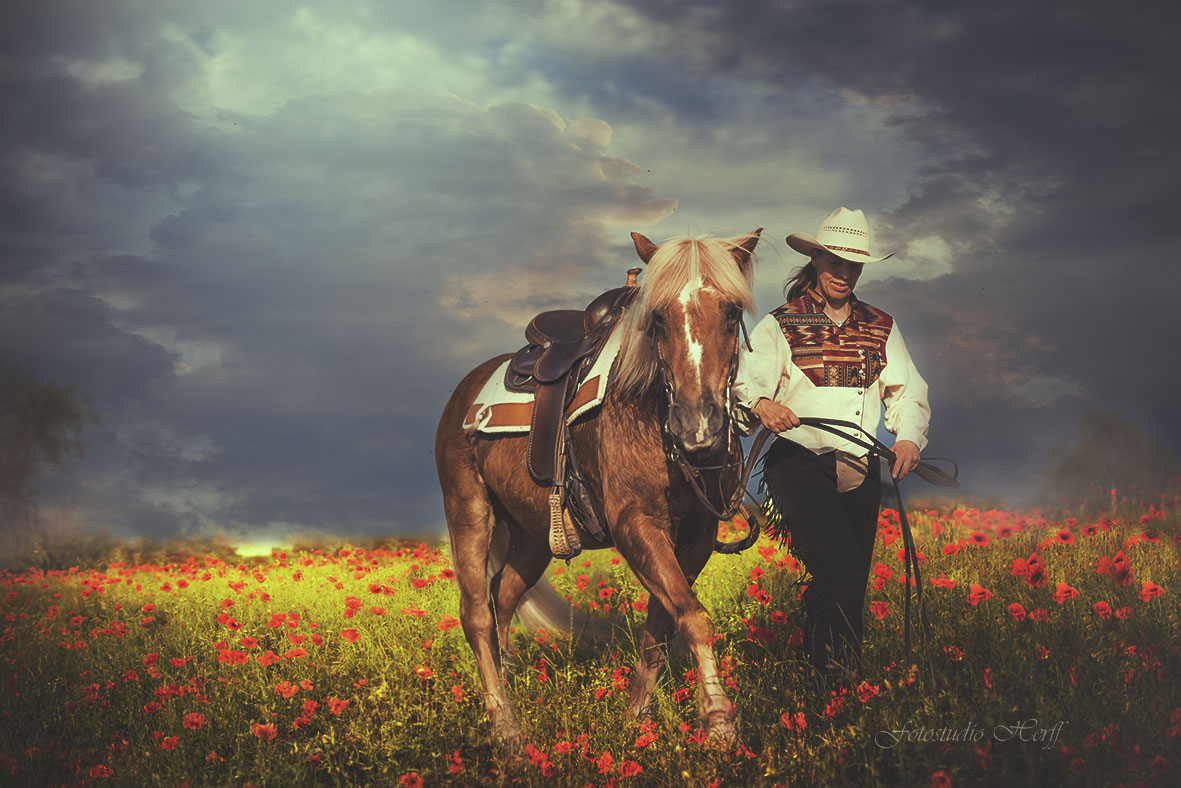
<point>668,392</point>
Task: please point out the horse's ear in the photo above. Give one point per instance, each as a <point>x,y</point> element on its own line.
<point>744,249</point>
<point>644,248</point>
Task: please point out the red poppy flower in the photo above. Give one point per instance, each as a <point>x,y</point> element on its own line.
<point>1016,611</point>
<point>1064,537</point>
<point>940,779</point>
<point>99,770</point>
<point>413,611</point>
<point>1064,592</point>
<point>424,672</point>
<point>454,763</point>
<point>169,743</point>
<point>1102,609</point>
<point>793,722</point>
<point>1039,614</point>
<point>978,539</point>
<point>351,635</point>
<point>286,689</point>
<point>605,762</point>
<point>978,594</point>
<point>1150,590</point>
<point>629,769</point>
<point>457,693</point>
<point>943,582</point>
<point>410,780</point>
<point>295,653</point>
<point>879,609</point>
<point>194,721</point>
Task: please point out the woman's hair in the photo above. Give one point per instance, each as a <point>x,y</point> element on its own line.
<point>803,280</point>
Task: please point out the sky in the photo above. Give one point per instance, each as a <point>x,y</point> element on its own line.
<point>267,239</point>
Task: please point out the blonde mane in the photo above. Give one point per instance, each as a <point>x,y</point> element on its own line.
<point>677,262</point>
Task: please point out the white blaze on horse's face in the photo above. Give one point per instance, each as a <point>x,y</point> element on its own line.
<point>699,354</point>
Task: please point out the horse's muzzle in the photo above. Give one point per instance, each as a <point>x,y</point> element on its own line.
<point>698,427</point>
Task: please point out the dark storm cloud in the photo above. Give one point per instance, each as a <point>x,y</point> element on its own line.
<point>1048,134</point>
<point>313,282</point>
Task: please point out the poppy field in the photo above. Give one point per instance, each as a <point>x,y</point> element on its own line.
<point>1054,645</point>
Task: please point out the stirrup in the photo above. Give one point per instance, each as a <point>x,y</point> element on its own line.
<point>563,538</point>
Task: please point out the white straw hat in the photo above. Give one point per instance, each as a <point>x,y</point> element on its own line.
<point>845,233</point>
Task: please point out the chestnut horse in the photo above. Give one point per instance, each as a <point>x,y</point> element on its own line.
<point>668,385</point>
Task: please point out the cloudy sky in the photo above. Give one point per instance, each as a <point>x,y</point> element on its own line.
<point>268,238</point>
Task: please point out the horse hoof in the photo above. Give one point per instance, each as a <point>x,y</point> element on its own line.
<point>721,736</point>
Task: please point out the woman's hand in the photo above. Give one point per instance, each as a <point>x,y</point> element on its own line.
<point>775,417</point>
<point>906,458</point>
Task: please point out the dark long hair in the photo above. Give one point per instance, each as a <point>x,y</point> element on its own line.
<point>803,280</point>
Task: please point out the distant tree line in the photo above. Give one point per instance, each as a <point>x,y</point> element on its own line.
<point>40,426</point>
<point>1111,460</point>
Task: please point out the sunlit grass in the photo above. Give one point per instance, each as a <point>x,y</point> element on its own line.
<point>347,667</point>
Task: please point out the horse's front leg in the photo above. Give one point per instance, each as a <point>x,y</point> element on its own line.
<point>645,542</point>
<point>691,557</point>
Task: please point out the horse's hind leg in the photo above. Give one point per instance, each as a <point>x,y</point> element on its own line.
<point>527,557</point>
<point>470,521</point>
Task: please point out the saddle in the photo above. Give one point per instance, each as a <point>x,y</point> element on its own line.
<point>562,346</point>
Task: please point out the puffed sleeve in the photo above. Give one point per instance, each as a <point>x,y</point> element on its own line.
<point>762,370</point>
<point>904,392</point>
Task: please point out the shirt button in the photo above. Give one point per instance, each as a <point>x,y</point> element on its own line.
<point>858,413</point>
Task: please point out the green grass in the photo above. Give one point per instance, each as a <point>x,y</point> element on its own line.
<point>1074,698</point>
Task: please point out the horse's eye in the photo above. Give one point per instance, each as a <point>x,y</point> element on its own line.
<point>733,313</point>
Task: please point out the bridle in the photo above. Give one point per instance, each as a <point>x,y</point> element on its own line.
<point>729,504</point>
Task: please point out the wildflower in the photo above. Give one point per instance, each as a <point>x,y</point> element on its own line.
<point>1124,613</point>
<point>424,672</point>
<point>1016,611</point>
<point>194,721</point>
<point>940,779</point>
<point>169,742</point>
<point>1064,537</point>
<point>879,609</point>
<point>457,693</point>
<point>336,705</point>
<point>1150,590</point>
<point>978,539</point>
<point>99,770</point>
<point>286,689</point>
<point>1102,609</point>
<point>413,611</point>
<point>351,635</point>
<point>295,653</point>
<point>943,582</point>
<point>447,622</point>
<point>1064,592</point>
<point>793,722</point>
<point>953,653</point>
<point>454,763</point>
<point>605,762</point>
<point>410,780</point>
<point>978,594</point>
<point>631,769</point>
<point>265,731</point>
<point>1039,614</point>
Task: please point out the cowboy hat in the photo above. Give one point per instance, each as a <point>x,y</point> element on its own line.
<point>845,233</point>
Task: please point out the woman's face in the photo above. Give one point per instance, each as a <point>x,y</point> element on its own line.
<point>836,277</point>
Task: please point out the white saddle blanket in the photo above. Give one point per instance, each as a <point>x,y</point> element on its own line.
<point>496,409</point>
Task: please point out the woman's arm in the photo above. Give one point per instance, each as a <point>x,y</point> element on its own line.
<point>908,414</point>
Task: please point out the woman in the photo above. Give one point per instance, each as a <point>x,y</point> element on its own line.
<point>825,353</point>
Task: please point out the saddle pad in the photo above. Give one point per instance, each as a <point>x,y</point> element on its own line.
<point>496,409</point>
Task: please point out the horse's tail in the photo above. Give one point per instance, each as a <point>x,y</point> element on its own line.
<point>542,607</point>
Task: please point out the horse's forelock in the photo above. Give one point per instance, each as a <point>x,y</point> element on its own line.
<point>702,261</point>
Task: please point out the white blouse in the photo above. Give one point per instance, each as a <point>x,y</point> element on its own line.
<point>768,370</point>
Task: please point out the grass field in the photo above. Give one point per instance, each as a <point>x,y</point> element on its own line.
<point>1055,644</point>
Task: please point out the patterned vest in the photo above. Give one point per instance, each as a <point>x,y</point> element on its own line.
<point>852,354</point>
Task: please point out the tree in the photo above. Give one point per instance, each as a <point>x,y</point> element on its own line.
<point>1111,454</point>
<point>40,425</point>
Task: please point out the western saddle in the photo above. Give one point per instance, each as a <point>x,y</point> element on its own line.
<point>563,346</point>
